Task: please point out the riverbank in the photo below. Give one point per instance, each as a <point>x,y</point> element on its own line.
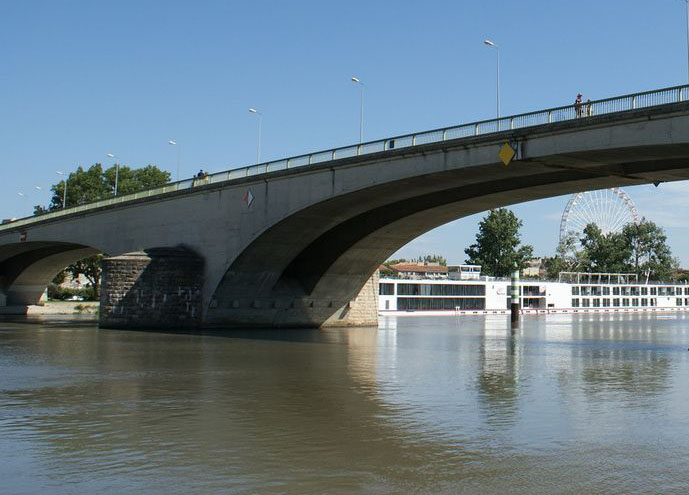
<point>64,308</point>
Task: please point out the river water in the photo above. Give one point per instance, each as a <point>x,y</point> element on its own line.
<point>566,404</point>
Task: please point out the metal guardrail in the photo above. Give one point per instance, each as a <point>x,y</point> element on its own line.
<point>617,104</point>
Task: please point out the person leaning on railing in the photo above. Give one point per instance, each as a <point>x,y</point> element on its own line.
<point>201,178</point>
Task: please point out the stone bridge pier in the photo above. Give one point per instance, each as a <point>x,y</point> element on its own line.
<point>162,288</point>
<point>157,288</point>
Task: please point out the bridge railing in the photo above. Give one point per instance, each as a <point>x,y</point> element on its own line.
<point>586,109</point>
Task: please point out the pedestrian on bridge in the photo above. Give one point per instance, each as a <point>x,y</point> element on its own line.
<point>577,105</point>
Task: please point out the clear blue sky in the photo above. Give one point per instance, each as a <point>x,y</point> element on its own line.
<point>79,79</point>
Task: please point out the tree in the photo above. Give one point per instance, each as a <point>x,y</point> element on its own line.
<point>83,186</point>
<point>640,248</point>
<point>567,258</point>
<point>649,252</point>
<point>497,246</point>
<point>133,180</point>
<point>89,268</point>
<point>554,265</point>
<point>94,183</point>
<point>604,252</point>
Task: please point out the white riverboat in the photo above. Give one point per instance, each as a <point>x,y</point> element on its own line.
<point>466,292</point>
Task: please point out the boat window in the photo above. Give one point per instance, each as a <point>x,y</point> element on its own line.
<point>387,290</point>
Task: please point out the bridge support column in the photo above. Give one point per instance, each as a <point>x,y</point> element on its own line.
<point>156,289</point>
<point>362,311</point>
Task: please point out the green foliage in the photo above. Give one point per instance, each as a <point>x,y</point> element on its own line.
<point>498,246</point>
<point>89,268</point>
<point>640,248</point>
<point>567,258</point>
<point>385,271</point>
<point>554,265</point>
<point>94,183</point>
<point>59,278</point>
<point>649,252</point>
<point>604,252</point>
<point>57,292</point>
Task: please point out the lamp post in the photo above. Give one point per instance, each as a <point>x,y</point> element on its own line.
<point>117,171</point>
<point>179,151</point>
<point>258,144</point>
<point>356,80</point>
<point>64,194</point>
<point>490,44</point>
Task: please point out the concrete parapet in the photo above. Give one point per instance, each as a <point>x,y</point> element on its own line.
<point>158,288</point>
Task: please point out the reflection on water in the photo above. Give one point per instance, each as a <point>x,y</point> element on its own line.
<point>563,404</point>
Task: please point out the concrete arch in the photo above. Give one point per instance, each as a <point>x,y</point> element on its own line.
<point>343,240</point>
<point>26,269</point>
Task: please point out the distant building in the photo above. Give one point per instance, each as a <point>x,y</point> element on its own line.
<point>419,270</point>
<point>534,268</point>
<point>464,272</point>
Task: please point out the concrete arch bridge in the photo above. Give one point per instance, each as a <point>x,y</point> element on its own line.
<point>292,243</point>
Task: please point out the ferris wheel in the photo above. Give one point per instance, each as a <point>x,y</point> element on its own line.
<point>609,209</point>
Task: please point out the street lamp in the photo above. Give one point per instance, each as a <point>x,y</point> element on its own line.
<point>117,171</point>
<point>356,80</point>
<point>490,44</point>
<point>260,122</point>
<point>64,194</point>
<point>179,151</point>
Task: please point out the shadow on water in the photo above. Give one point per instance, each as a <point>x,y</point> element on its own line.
<point>277,334</point>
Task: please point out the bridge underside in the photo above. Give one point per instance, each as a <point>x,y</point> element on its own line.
<point>283,279</point>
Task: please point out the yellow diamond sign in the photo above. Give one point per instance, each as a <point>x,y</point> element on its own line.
<point>506,153</point>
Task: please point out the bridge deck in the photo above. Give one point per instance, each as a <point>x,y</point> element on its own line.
<point>615,105</point>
